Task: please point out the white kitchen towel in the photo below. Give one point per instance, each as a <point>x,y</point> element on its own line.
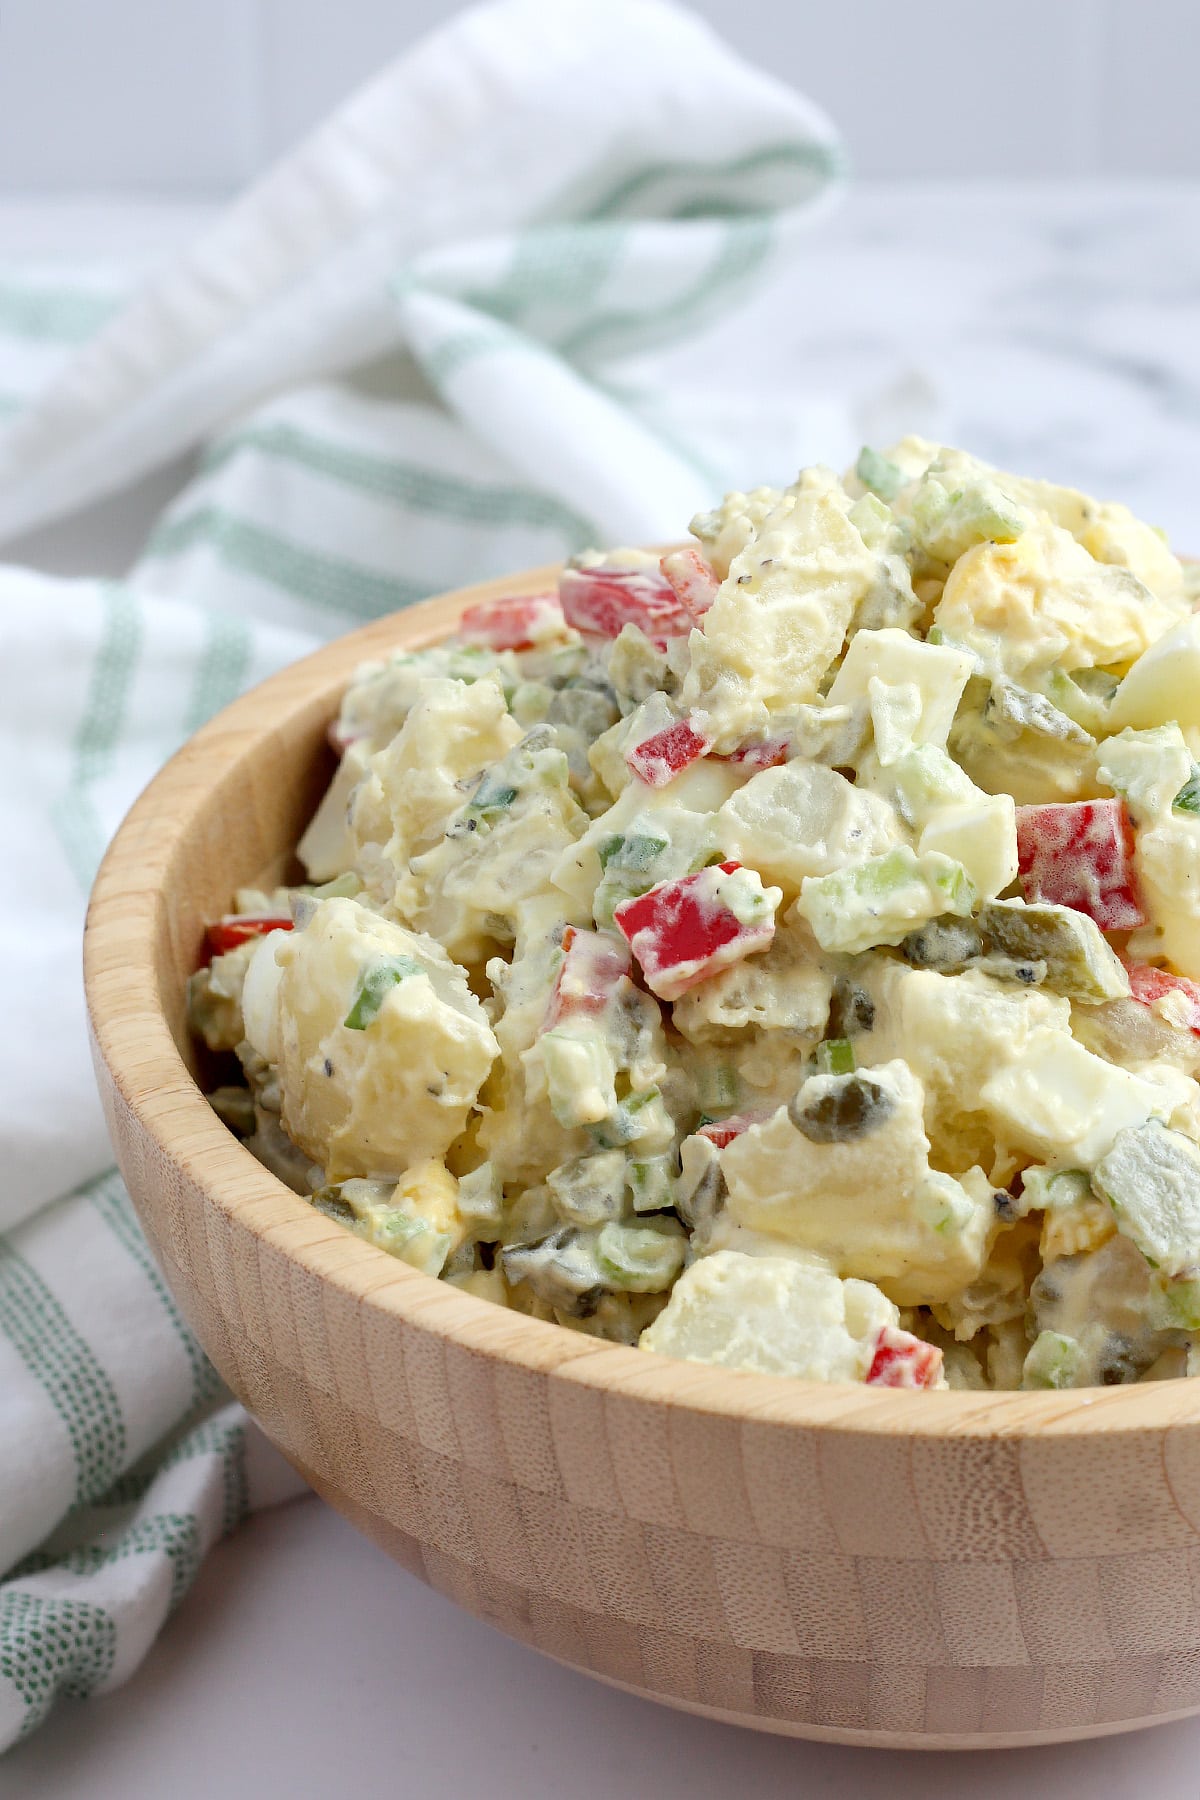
<point>433,344</point>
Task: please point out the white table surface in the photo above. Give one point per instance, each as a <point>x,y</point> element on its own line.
<point>306,1666</point>
<point>1056,331</point>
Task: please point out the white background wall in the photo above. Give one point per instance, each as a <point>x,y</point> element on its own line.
<point>194,96</point>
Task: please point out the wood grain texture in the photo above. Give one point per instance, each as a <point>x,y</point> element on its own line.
<point>872,1565</point>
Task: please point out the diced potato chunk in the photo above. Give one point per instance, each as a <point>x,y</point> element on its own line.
<point>774,1315</point>
<point>395,1089</point>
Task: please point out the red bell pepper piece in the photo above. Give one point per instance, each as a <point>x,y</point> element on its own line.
<point>339,737</point>
<point>723,1131</point>
<point>239,928</point>
<point>513,624</point>
<point>1148,984</point>
<point>658,759</point>
<point>591,967</point>
<point>1080,854</point>
<point>694,582</point>
<point>602,601</point>
<point>768,753</point>
<point>681,932</point>
<point>901,1360</point>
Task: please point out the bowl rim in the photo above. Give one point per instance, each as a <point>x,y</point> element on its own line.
<point>132,1039</point>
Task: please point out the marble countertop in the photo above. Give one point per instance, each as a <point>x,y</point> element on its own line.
<point>1050,329</point>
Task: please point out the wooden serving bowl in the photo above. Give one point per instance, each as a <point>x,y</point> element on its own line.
<point>873,1566</point>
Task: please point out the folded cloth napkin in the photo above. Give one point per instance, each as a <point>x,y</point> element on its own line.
<point>429,346</point>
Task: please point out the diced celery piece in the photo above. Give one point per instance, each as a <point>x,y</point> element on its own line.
<point>1084,696</point>
<point>881,900</point>
<point>342,887</point>
<point>652,1183</point>
<point>925,779</point>
<point>375,983</point>
<point>1187,800</point>
<point>951,881</point>
<point>717,1086</point>
<point>835,1056</point>
<point>635,852</point>
<point>642,1118</point>
<point>872,520</point>
<point>530,702</point>
<point>641,1259</point>
<point>1179,1304</point>
<point>948,522</point>
<point>615,888</point>
<point>492,795</point>
<point>402,1234</point>
<point>1043,1188</point>
<point>1054,1361</point>
<point>876,472</point>
<point>628,864</point>
<point>589,1189</point>
<point>1151,1179</point>
<point>656,846</point>
<point>580,1075</point>
<point>1080,963</point>
<point>1149,769</point>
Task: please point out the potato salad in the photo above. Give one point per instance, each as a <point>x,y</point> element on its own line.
<point>783,953</point>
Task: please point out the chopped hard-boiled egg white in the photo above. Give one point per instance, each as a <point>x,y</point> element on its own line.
<point>743,945</point>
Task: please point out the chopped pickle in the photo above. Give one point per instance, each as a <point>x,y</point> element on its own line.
<point>375,984</point>
<point>1078,961</point>
<point>851,1106</point>
<point>1151,1179</point>
<point>560,1269</point>
<point>652,1183</point>
<point>944,944</point>
<point>851,1008</point>
<point>235,1107</point>
<point>590,1189</point>
<point>1010,710</point>
<point>1033,943</point>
